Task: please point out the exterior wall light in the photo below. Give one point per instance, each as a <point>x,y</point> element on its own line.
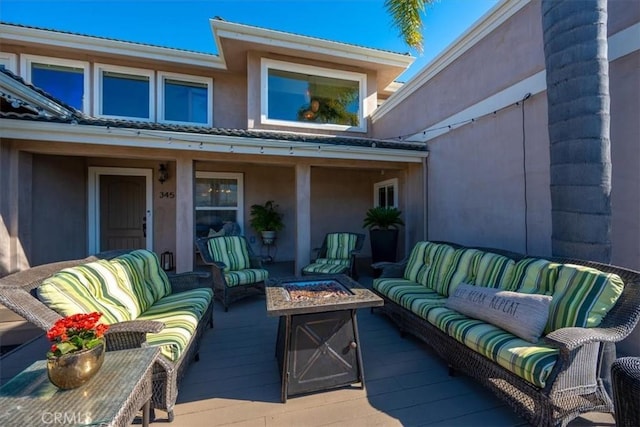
<point>163,173</point>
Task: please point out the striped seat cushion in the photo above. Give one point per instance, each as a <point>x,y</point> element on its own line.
<point>140,270</point>
<point>327,266</point>
<point>180,313</point>
<point>532,362</point>
<point>494,271</point>
<point>231,251</point>
<point>88,288</point>
<point>582,297</point>
<point>332,261</point>
<point>408,294</point>
<point>245,277</point>
<point>534,276</point>
<point>340,245</point>
<point>463,267</point>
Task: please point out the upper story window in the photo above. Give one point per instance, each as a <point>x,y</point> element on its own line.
<point>312,97</point>
<point>185,99</point>
<point>64,79</point>
<point>124,92</point>
<point>8,62</point>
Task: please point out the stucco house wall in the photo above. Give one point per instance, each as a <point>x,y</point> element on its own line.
<point>476,174</point>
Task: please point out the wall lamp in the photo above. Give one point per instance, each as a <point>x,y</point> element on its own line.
<point>163,173</point>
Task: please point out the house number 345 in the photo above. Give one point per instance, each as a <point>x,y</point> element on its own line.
<point>167,195</point>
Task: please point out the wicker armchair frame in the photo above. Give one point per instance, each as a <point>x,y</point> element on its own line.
<point>625,375</point>
<point>575,385</point>
<point>18,293</point>
<point>351,271</point>
<point>221,291</point>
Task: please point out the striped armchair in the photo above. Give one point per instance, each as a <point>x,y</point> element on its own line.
<point>337,255</point>
<point>236,271</point>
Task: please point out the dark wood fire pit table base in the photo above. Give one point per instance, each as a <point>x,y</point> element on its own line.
<point>317,347</point>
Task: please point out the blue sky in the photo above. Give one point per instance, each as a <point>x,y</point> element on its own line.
<point>185,24</point>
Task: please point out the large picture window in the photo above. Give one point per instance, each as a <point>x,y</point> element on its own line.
<point>218,199</point>
<point>63,79</point>
<point>185,99</point>
<point>124,92</point>
<point>307,96</point>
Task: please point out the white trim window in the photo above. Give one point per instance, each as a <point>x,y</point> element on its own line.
<point>124,93</point>
<point>385,193</point>
<point>9,61</point>
<point>64,79</point>
<point>312,97</point>
<point>185,99</point>
<point>218,198</point>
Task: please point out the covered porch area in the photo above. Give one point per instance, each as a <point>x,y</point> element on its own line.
<point>236,382</point>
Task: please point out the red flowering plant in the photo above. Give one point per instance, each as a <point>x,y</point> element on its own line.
<point>75,333</point>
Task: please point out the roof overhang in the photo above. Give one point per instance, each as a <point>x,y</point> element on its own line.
<point>15,91</point>
<point>97,45</point>
<point>183,141</point>
<point>234,41</point>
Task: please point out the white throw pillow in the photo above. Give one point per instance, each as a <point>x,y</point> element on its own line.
<point>524,315</point>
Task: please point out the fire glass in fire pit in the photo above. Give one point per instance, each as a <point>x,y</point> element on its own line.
<point>304,291</point>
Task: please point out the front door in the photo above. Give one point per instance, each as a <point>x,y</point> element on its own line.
<point>123,219</point>
<point>120,209</point>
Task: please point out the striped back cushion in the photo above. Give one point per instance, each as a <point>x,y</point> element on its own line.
<point>84,289</point>
<point>534,276</point>
<point>438,258</point>
<point>141,271</point>
<point>463,267</point>
<point>340,245</point>
<point>494,271</point>
<point>582,297</point>
<point>230,250</point>
<point>417,262</point>
<point>131,273</point>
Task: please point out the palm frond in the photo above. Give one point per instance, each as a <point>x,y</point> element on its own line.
<point>406,16</point>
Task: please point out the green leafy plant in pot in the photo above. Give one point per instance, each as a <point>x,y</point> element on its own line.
<point>266,220</point>
<point>383,223</point>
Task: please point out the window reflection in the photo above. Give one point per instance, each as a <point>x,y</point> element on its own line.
<point>308,98</point>
<point>63,83</point>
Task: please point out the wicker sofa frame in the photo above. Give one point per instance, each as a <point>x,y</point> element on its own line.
<point>18,293</point>
<point>575,385</point>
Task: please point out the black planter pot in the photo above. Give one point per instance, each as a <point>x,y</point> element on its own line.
<point>384,245</point>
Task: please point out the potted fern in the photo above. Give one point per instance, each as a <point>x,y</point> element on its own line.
<point>383,223</point>
<point>266,220</point>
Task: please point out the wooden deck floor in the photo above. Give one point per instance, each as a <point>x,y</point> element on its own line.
<point>236,382</point>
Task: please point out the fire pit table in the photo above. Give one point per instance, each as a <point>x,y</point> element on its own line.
<point>317,345</point>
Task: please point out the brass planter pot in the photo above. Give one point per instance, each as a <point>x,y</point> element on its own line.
<point>74,369</point>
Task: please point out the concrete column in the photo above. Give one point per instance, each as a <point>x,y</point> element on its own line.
<point>414,206</point>
<point>184,214</point>
<point>303,216</point>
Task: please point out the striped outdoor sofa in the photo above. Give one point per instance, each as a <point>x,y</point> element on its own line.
<point>549,377</point>
<point>143,305</point>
